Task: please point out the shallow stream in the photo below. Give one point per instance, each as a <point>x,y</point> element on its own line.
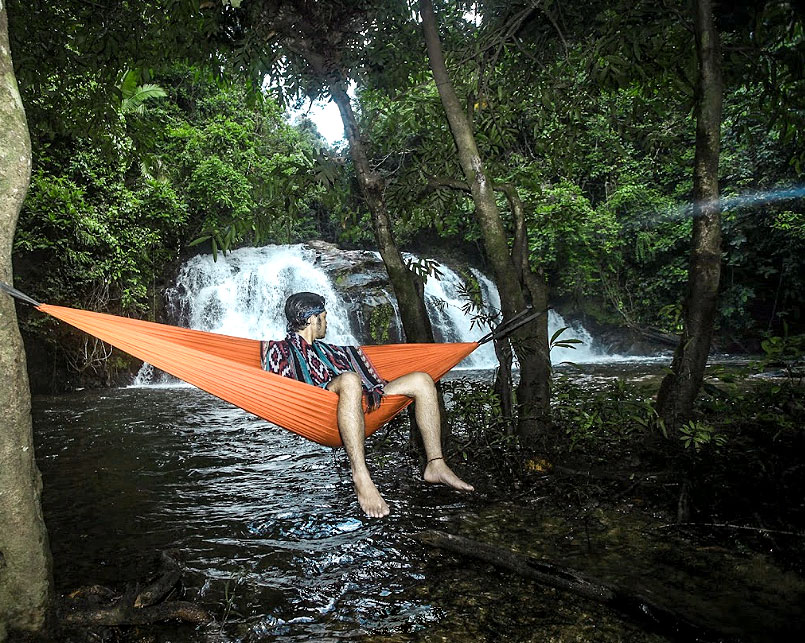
<point>274,544</point>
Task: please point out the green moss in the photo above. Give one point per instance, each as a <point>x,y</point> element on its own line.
<point>380,323</point>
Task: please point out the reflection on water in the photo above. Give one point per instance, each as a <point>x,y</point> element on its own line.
<point>274,543</point>
<point>255,511</point>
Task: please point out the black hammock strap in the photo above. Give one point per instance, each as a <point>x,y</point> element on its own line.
<point>509,326</point>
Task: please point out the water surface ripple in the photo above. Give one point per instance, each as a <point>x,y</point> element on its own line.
<point>265,522</point>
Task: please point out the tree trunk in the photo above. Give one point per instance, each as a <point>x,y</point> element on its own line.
<point>408,287</point>
<point>537,291</point>
<point>537,294</point>
<point>533,389</point>
<point>680,388</point>
<point>26,588</point>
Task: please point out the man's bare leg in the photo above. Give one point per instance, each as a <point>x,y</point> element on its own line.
<point>420,386</point>
<point>353,435</point>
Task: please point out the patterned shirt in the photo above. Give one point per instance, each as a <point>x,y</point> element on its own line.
<point>318,363</point>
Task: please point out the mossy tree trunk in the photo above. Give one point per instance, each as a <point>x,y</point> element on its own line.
<point>512,277</point>
<point>680,388</point>
<point>26,593</point>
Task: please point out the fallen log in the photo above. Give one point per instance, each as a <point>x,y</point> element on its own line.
<point>121,615</point>
<point>98,606</point>
<point>637,607</point>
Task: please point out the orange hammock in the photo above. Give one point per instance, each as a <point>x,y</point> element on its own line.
<point>229,367</point>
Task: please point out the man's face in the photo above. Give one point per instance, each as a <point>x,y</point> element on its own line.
<point>319,323</point>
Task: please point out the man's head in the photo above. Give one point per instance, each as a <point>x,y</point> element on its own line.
<point>300,307</point>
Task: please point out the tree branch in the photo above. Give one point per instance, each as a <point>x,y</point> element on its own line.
<point>171,611</point>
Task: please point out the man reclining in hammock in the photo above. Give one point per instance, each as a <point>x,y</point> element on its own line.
<point>347,371</point>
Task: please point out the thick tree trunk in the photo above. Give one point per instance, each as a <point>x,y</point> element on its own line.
<point>25,565</point>
<point>680,388</point>
<point>532,391</point>
<point>537,294</point>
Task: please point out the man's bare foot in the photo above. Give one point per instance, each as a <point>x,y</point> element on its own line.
<point>437,472</point>
<point>369,497</point>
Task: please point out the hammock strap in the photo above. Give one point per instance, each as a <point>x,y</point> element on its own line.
<point>19,295</point>
<point>508,327</point>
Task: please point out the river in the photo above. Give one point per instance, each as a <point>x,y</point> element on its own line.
<point>275,546</point>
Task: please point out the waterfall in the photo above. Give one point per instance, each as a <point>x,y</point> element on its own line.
<point>243,294</point>
<point>444,302</point>
<point>450,324</point>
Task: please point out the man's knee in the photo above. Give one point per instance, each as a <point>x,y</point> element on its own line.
<point>347,384</point>
<point>423,383</point>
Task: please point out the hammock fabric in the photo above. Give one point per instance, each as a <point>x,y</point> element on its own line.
<point>229,368</point>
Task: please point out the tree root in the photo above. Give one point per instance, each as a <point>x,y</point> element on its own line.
<point>163,585</point>
<point>726,525</point>
<point>98,606</point>
<point>123,615</point>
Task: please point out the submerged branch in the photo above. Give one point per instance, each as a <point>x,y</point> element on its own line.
<point>169,577</point>
<point>726,525</point>
<point>134,608</point>
<point>119,615</point>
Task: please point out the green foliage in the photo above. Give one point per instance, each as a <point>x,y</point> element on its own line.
<point>479,428</point>
<point>246,174</point>
<point>97,242</point>
<point>99,226</point>
<point>644,273</point>
<point>700,436</point>
<point>557,341</point>
<point>615,412</point>
<point>570,238</point>
<point>134,95</point>
<point>786,352</point>
<point>424,267</point>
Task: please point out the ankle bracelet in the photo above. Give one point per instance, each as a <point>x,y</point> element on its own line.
<point>432,459</point>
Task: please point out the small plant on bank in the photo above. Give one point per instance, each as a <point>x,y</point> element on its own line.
<point>480,430</point>
<point>592,418</point>
<point>786,351</point>
<point>700,436</point>
<point>557,341</point>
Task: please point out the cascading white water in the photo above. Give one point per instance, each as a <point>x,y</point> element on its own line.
<point>243,294</point>
<point>445,302</point>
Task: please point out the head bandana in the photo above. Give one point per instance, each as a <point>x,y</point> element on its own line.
<point>300,320</point>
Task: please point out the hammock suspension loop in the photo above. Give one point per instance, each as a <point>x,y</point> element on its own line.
<point>19,295</point>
